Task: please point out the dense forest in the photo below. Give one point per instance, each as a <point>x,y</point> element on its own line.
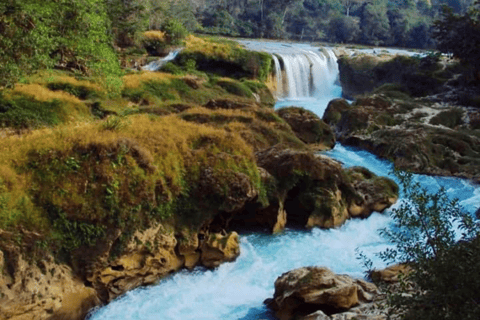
<point>84,33</point>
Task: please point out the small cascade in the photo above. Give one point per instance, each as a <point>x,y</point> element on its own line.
<point>157,64</point>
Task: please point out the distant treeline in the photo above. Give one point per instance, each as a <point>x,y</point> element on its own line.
<point>403,23</point>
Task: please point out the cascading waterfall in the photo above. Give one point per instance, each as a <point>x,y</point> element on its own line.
<point>236,290</point>
<point>157,64</point>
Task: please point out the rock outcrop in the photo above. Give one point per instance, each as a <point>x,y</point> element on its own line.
<point>415,136</point>
<point>363,73</point>
<point>308,127</point>
<point>316,293</point>
<point>317,192</point>
<point>391,274</point>
<point>41,290</point>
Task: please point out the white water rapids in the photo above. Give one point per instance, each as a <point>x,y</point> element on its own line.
<point>237,290</point>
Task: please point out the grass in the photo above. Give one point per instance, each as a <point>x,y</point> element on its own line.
<point>148,168</point>
<point>99,161</point>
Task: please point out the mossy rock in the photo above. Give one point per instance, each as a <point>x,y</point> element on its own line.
<point>334,110</point>
<point>308,126</point>
<point>449,118</point>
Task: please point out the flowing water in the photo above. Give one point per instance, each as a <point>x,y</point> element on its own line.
<point>157,64</point>
<point>307,77</point>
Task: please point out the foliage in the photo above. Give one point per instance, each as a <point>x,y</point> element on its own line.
<point>444,263</point>
<point>175,31</point>
<point>44,34</point>
<point>459,34</point>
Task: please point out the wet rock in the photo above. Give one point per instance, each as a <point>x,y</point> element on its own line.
<point>304,291</point>
<point>373,193</point>
<point>219,248</point>
<point>317,192</point>
<point>148,257</point>
<point>308,127</point>
<point>334,110</point>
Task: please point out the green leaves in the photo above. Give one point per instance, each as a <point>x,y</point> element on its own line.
<point>69,34</point>
<point>444,263</point>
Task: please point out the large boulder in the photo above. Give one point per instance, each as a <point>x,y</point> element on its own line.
<point>308,127</point>
<point>304,291</point>
<point>391,274</point>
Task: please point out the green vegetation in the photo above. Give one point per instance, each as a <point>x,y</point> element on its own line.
<point>449,118</point>
<point>444,282</point>
<point>459,35</point>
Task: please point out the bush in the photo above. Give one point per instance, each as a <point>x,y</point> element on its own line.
<point>154,41</point>
<point>445,269</point>
<point>175,31</point>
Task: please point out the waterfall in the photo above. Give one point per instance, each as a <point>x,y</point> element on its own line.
<point>157,64</point>
<point>308,73</point>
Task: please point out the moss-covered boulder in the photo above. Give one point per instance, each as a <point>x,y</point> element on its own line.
<point>308,127</point>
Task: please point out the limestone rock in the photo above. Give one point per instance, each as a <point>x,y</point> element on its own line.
<point>45,290</point>
<point>303,291</point>
<point>308,127</point>
<point>148,257</point>
<point>220,248</point>
<point>372,193</point>
<point>390,274</point>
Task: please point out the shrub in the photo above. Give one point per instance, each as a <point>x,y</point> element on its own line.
<point>175,31</point>
<point>445,269</point>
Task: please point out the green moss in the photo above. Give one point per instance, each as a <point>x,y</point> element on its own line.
<point>26,112</point>
<point>236,88</point>
<point>80,91</point>
<point>449,118</point>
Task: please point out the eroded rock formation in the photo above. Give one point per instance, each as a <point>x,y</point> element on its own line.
<point>316,292</point>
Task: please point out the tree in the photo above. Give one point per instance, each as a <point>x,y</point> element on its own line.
<point>343,29</point>
<point>445,269</point>
<point>374,22</point>
<point>351,4</point>
<point>128,18</point>
<point>459,35</point>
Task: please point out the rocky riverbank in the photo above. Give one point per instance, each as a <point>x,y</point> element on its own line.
<point>399,114</point>
<point>126,190</point>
